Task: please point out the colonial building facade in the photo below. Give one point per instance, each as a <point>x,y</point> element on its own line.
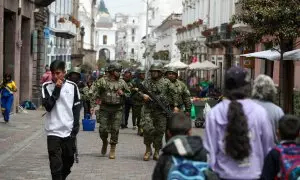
<point>165,34</point>
<point>62,29</point>
<point>206,34</point>
<point>105,34</point>
<point>21,44</point>
<point>128,37</point>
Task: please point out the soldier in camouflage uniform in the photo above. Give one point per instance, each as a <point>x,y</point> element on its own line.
<point>137,101</point>
<point>111,90</point>
<point>127,77</point>
<point>86,97</point>
<point>155,119</point>
<point>180,91</point>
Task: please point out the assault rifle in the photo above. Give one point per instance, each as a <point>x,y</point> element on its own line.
<point>163,105</point>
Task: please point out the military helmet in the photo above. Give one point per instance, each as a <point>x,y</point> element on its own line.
<point>140,70</point>
<point>156,67</point>
<point>114,67</point>
<point>75,70</point>
<point>172,69</point>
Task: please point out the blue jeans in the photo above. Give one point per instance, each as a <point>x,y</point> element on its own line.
<point>6,103</point>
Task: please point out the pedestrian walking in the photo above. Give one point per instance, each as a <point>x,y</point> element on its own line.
<point>111,90</point>
<point>182,148</point>
<point>283,161</point>
<point>264,93</point>
<point>61,100</point>
<point>155,119</point>
<point>238,133</point>
<point>47,76</point>
<point>7,89</point>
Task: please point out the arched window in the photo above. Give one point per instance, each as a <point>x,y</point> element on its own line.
<point>104,39</point>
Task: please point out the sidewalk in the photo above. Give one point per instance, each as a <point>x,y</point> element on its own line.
<point>23,153</point>
<point>21,129</point>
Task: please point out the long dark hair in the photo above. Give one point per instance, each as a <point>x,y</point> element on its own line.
<point>237,141</point>
<point>6,75</point>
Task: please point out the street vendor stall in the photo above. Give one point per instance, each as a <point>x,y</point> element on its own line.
<point>200,107</point>
<point>202,66</point>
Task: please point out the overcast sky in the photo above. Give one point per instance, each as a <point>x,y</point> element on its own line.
<point>131,7</point>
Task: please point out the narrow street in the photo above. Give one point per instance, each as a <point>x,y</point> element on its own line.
<point>23,153</point>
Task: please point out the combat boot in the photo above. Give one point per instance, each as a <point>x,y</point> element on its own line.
<point>104,147</point>
<point>147,154</point>
<point>112,153</point>
<point>156,155</point>
<point>141,132</point>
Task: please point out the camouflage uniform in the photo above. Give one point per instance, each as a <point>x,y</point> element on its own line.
<point>181,93</point>
<point>128,102</point>
<point>138,103</point>
<point>86,98</point>
<point>111,107</point>
<point>155,119</point>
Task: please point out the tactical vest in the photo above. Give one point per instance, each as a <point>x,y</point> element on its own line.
<point>110,95</point>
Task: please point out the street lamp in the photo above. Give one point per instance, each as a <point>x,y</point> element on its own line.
<point>82,33</point>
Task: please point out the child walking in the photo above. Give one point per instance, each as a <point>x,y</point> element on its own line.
<point>283,161</point>
<point>7,89</point>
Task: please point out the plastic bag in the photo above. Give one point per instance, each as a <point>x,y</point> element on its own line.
<point>193,112</point>
<point>206,109</point>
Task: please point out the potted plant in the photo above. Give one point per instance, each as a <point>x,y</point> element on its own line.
<point>61,20</point>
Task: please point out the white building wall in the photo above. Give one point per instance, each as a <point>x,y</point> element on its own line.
<point>216,11</point>
<point>163,8</point>
<point>111,41</point>
<point>58,48</point>
<point>133,35</point>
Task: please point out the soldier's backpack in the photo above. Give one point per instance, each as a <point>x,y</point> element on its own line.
<point>185,169</point>
<point>289,162</point>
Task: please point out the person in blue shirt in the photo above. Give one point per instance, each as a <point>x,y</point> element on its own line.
<point>7,89</point>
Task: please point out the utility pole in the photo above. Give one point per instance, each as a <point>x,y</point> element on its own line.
<point>147,63</point>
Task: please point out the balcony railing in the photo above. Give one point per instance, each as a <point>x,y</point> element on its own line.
<point>66,30</point>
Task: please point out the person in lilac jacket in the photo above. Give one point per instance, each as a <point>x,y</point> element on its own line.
<point>238,134</point>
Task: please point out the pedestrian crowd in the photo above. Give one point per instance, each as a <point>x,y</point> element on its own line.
<point>247,136</point>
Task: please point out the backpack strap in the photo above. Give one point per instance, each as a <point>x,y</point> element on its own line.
<point>174,160</point>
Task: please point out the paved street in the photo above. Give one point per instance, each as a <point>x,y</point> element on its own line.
<point>23,153</point>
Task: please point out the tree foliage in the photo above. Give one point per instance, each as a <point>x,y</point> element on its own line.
<point>277,18</point>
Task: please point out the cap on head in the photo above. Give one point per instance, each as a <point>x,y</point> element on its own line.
<point>179,124</point>
<point>236,77</point>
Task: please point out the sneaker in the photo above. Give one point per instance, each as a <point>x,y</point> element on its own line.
<point>134,127</point>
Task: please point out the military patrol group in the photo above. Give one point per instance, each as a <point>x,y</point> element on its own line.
<point>112,95</point>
